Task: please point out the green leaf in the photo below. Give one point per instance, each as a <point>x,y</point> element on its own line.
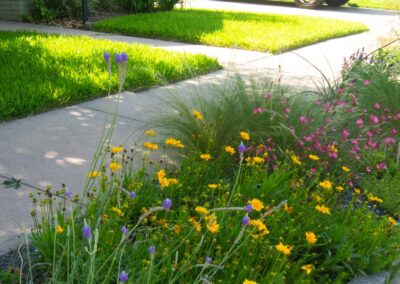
<point>12,183</point>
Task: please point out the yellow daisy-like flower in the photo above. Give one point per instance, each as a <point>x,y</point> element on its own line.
<point>151,146</point>
<point>201,210</point>
<point>196,225</point>
<point>94,174</point>
<point>213,227</point>
<point>173,181</point>
<point>256,204</point>
<point>258,224</point>
<point>307,268</point>
<point>59,229</point>
<point>311,238</point>
<point>286,250</point>
<point>295,159</point>
<point>150,133</point>
<point>244,135</point>
<point>197,114</point>
<point>174,142</point>
<point>117,150</point>
<point>212,186</point>
<point>372,198</point>
<point>340,188</point>
<point>345,169</point>
<point>177,229</point>
<point>117,211</point>
<point>392,221</point>
<point>246,281</point>
<point>313,157</point>
<point>357,191</point>
<point>206,157</point>
<point>230,150</point>
<point>114,166</point>
<point>326,184</point>
<point>258,160</point>
<point>323,209</point>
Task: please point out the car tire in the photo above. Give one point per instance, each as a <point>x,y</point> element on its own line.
<point>309,4</point>
<point>336,2</point>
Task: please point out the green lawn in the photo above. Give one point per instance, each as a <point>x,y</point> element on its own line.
<point>41,72</point>
<point>378,4</point>
<point>253,31</point>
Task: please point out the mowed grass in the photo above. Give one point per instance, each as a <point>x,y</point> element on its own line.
<point>40,72</point>
<point>377,4</point>
<point>253,31</point>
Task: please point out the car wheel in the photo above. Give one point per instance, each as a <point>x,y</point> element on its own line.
<point>309,4</point>
<point>336,2</point>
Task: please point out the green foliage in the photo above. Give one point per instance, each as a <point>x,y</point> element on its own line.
<point>47,72</point>
<point>231,29</point>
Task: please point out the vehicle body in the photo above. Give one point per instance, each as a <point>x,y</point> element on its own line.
<point>311,4</point>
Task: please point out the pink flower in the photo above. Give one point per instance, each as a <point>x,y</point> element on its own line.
<point>351,84</point>
<point>366,83</point>
<point>287,110</point>
<point>377,105</point>
<point>368,169</point>
<point>359,122</point>
<point>394,131</point>
<point>267,96</point>
<point>381,166</point>
<point>374,118</point>
<point>342,103</point>
<point>303,119</point>
<point>258,110</point>
<point>389,141</point>
<point>345,134</point>
<point>340,91</point>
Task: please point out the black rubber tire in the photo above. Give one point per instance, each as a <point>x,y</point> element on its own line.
<point>309,4</point>
<point>336,2</point>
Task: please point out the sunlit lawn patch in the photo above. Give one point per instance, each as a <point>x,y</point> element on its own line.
<point>378,4</point>
<point>41,72</point>
<point>254,31</point>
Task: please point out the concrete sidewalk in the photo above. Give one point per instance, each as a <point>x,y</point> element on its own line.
<point>57,146</point>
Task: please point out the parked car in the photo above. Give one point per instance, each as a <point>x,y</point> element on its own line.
<point>311,4</point>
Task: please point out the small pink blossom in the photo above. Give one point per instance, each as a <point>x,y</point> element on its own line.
<point>359,122</point>
<point>381,166</point>
<point>340,91</point>
<point>389,141</point>
<point>287,110</point>
<point>374,119</point>
<point>267,96</point>
<point>342,103</point>
<point>377,105</point>
<point>366,83</point>
<point>393,131</point>
<point>345,134</point>
<point>303,119</point>
<point>368,169</point>
<point>258,110</point>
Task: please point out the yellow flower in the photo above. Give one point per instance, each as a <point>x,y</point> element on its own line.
<point>323,209</point>
<point>256,204</point>
<point>249,282</point>
<point>173,181</point>
<point>212,186</point>
<point>201,210</point>
<point>345,169</point>
<point>313,157</point>
<point>174,142</point>
<point>392,221</point>
<point>286,250</point>
<point>295,159</point>
<point>197,114</point>
<point>287,209</point>
<point>206,157</point>
<point>106,217</point>
<point>316,197</point>
<point>259,225</point>
<point>311,238</point>
<point>372,198</point>
<point>258,160</point>
<point>117,211</point>
<point>326,184</point>
<point>59,229</point>
<point>117,150</point>
<point>93,174</point>
<point>150,133</point>
<point>195,224</point>
<point>163,182</point>
<point>114,166</point>
<point>357,191</point>
<point>177,229</point>
<point>230,150</point>
<point>340,188</point>
<point>213,228</point>
<point>161,174</point>
<point>151,146</point>
<point>307,268</point>
<point>244,135</point>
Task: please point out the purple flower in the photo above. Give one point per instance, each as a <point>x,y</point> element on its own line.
<point>132,194</point>
<point>68,194</point>
<point>167,203</point>
<point>86,232</point>
<point>152,250</point>
<point>245,220</point>
<point>242,148</point>
<point>124,57</point>
<point>124,230</point>
<point>123,276</point>
<point>106,57</point>
<point>248,208</point>
<point>208,260</point>
<point>118,58</point>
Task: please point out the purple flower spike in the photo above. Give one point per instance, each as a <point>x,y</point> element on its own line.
<point>152,250</point>
<point>118,58</point>
<point>124,230</point>
<point>248,208</point>
<point>245,220</point>
<point>123,277</point>
<point>124,56</point>
<point>242,148</point>
<point>167,203</point>
<point>106,57</point>
<point>86,232</point>
<point>208,260</point>
<point>132,195</point>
